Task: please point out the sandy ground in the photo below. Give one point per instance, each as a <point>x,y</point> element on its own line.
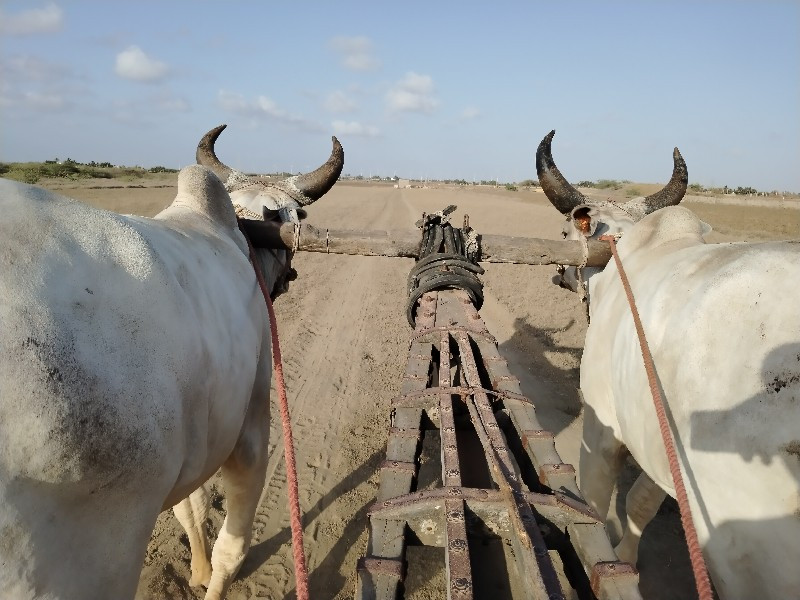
<point>344,338</point>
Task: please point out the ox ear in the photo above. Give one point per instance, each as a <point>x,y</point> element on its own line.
<point>275,215</point>
<point>270,215</point>
<point>583,220</point>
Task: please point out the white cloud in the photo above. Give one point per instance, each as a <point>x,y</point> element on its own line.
<point>339,102</point>
<point>355,129</point>
<point>34,20</point>
<point>263,106</point>
<point>413,93</point>
<point>357,53</point>
<point>469,113</point>
<point>134,64</point>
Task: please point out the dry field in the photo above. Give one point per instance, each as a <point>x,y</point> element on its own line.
<point>344,338</point>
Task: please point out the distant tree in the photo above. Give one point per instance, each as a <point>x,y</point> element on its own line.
<point>605,184</point>
<point>744,191</point>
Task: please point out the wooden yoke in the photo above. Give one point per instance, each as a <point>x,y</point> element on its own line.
<point>493,248</point>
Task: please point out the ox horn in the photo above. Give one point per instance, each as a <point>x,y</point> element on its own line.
<point>208,158</point>
<point>558,190</point>
<point>672,193</point>
<point>316,183</point>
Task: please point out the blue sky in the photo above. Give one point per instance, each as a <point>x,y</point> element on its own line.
<point>417,89</point>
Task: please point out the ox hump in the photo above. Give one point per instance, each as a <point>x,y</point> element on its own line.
<point>201,191</point>
<point>673,225</point>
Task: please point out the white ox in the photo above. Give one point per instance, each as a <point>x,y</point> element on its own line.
<point>723,325</point>
<point>134,362</point>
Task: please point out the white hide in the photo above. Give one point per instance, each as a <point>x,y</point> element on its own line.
<point>723,325</point>
<point>134,362</point>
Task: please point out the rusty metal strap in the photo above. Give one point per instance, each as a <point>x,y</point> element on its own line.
<point>404,432</point>
<point>399,466</point>
<point>606,570</point>
<point>392,508</point>
<point>413,399</point>
<point>382,566</point>
<point>421,333</point>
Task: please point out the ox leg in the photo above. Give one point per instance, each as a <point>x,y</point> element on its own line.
<point>641,505</point>
<point>192,513</point>
<point>601,461</point>
<point>243,475</point>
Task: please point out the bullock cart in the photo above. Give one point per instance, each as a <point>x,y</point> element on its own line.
<point>504,506</point>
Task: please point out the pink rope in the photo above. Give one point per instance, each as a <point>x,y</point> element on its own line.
<point>295,516</point>
<point>701,579</point>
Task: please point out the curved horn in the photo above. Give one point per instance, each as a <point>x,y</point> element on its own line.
<point>672,193</point>
<point>315,184</point>
<point>563,196</point>
<point>208,158</point>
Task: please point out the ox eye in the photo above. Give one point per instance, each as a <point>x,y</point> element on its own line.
<point>564,234</point>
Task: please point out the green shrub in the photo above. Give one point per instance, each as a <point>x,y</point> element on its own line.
<point>605,184</point>
<point>25,174</point>
<point>67,170</point>
<point>511,187</point>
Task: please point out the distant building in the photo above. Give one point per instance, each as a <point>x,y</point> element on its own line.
<point>402,183</point>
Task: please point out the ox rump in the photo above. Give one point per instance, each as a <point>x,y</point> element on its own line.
<point>723,326</point>
<point>134,363</point>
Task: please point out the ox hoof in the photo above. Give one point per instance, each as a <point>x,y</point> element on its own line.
<point>200,579</point>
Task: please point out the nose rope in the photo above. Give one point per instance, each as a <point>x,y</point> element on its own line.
<point>296,237</point>
<point>295,515</point>
<point>583,293</point>
<point>701,579</point>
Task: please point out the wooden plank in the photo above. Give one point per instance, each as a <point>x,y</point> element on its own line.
<point>386,544</point>
<point>378,579</point>
<point>610,578</point>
